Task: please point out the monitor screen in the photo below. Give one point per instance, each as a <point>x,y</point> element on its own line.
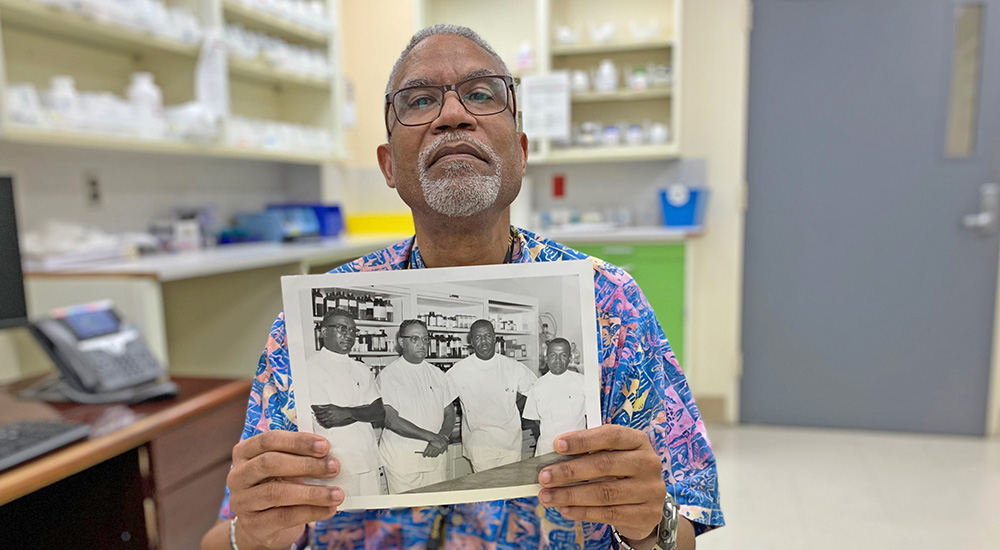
<point>13,311</point>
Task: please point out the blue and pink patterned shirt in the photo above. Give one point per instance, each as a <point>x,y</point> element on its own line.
<point>642,387</point>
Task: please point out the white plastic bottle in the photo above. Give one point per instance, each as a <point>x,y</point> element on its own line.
<point>64,102</point>
<point>147,104</point>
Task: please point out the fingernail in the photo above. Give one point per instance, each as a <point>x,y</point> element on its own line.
<point>544,477</point>
<point>563,510</point>
<point>320,446</point>
<point>331,464</point>
<point>545,497</point>
<point>562,446</point>
<point>337,495</point>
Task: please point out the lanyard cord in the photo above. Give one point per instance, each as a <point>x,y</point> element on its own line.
<point>506,259</point>
<point>439,531</point>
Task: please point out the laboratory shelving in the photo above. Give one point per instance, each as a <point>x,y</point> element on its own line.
<point>38,41</point>
<point>508,26</point>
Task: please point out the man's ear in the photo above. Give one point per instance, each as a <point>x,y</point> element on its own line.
<point>384,153</point>
<point>522,140</point>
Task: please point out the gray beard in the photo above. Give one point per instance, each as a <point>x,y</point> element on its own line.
<point>461,191</point>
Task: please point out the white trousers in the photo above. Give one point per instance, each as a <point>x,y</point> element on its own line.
<point>401,481</point>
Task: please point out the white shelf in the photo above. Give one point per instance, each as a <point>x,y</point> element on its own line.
<point>261,71</point>
<point>619,153</point>
<point>361,323</point>
<point>373,354</point>
<point>507,333</point>
<point>66,138</point>
<point>236,12</point>
<point>55,22</point>
<point>446,329</point>
<point>611,47</point>
<point>623,95</point>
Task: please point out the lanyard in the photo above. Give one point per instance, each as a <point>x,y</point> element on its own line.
<point>439,530</point>
<point>411,264</point>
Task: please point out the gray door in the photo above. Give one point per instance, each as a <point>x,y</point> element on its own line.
<point>867,304</point>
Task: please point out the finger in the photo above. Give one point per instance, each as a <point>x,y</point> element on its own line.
<point>609,437</point>
<point>283,493</point>
<point>624,518</point>
<point>280,440</point>
<point>602,493</point>
<point>595,466</point>
<point>272,465</point>
<point>285,517</point>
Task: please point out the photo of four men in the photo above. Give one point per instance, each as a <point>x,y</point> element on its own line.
<point>401,420</point>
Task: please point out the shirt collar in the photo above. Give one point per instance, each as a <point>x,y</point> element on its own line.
<point>519,245</point>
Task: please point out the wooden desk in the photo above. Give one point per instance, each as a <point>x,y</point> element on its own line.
<point>149,476</point>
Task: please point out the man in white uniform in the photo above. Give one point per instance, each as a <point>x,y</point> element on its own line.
<point>492,388</point>
<point>345,405</point>
<point>556,399</point>
<point>419,414</point>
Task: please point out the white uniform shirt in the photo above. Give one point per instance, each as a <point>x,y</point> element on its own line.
<point>557,403</point>
<point>491,424</point>
<point>419,393</point>
<point>339,380</point>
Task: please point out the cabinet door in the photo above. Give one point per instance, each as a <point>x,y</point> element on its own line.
<point>659,271</point>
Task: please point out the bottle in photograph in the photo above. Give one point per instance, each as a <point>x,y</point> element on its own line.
<point>352,304</point>
<point>385,341</point>
<point>146,100</point>
<point>317,336</point>
<point>329,302</point>
<point>379,309</point>
<point>388,310</point>
<point>369,308</point>
<point>342,301</point>
<point>319,303</point>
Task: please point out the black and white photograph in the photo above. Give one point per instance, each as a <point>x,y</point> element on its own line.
<point>443,386</point>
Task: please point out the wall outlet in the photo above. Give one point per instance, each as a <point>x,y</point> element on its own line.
<point>92,188</point>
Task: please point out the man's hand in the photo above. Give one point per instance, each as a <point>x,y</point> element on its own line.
<point>330,416</point>
<point>626,488</point>
<point>267,492</point>
<point>436,446</point>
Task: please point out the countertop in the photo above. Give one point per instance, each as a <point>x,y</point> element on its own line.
<point>601,233</point>
<point>227,259</point>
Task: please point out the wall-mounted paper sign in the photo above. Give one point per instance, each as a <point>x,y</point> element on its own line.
<point>545,105</point>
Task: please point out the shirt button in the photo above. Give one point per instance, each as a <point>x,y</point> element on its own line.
<point>457,520</point>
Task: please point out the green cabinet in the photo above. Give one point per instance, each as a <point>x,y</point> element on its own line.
<point>659,270</point>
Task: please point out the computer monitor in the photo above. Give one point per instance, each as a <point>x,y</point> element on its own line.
<point>13,310</point>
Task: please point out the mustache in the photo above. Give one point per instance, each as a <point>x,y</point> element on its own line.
<point>455,137</point>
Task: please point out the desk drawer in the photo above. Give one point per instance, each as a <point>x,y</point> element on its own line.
<point>190,510</point>
<point>201,443</point>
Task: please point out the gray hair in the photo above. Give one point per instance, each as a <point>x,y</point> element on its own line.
<point>457,30</point>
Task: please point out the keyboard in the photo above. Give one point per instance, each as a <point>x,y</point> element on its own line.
<point>23,441</point>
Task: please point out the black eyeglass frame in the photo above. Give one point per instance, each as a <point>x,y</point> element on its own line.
<point>509,81</point>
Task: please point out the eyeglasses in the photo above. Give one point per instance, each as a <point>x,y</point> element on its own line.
<point>343,330</point>
<point>417,339</point>
<point>481,96</point>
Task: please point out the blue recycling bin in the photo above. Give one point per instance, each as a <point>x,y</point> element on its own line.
<point>683,206</point>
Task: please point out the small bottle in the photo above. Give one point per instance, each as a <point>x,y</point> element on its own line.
<point>388,310</point>
<point>318,303</point>
<point>384,347</point>
<point>329,302</point>
<point>352,305</point>
<point>147,105</point>
<point>380,309</point>
<point>575,354</point>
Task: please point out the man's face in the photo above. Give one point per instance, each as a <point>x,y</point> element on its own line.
<point>414,343</point>
<point>340,334</point>
<point>483,341</point>
<point>459,165</point>
<point>557,358</point>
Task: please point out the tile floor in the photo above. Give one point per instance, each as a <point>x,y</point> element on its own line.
<point>816,489</point>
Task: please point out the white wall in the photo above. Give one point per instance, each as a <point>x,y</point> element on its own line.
<point>135,188</point>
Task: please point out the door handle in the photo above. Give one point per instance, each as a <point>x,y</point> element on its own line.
<point>987,220</point>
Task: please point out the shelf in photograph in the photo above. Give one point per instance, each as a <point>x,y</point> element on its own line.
<point>509,333</point>
<point>611,47</point>
<point>372,354</point>
<point>447,329</point>
<point>62,138</point>
<point>623,95</point>
<point>619,153</point>
<point>236,12</point>
<point>361,323</point>
<point>44,19</point>
<point>260,71</point>
<point>444,359</point>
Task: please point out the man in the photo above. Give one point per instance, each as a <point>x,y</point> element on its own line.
<point>556,400</point>
<point>419,414</point>
<point>455,157</point>
<point>346,404</point>
<point>491,386</point>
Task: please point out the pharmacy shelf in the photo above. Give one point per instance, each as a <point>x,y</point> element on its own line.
<point>446,329</point>
<point>622,95</point>
<point>236,12</point>
<point>619,153</point>
<point>508,333</point>
<point>260,71</point>
<point>372,354</point>
<point>444,359</point>
<point>375,323</point>
<point>36,136</point>
<point>611,47</point>
<point>48,20</point>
